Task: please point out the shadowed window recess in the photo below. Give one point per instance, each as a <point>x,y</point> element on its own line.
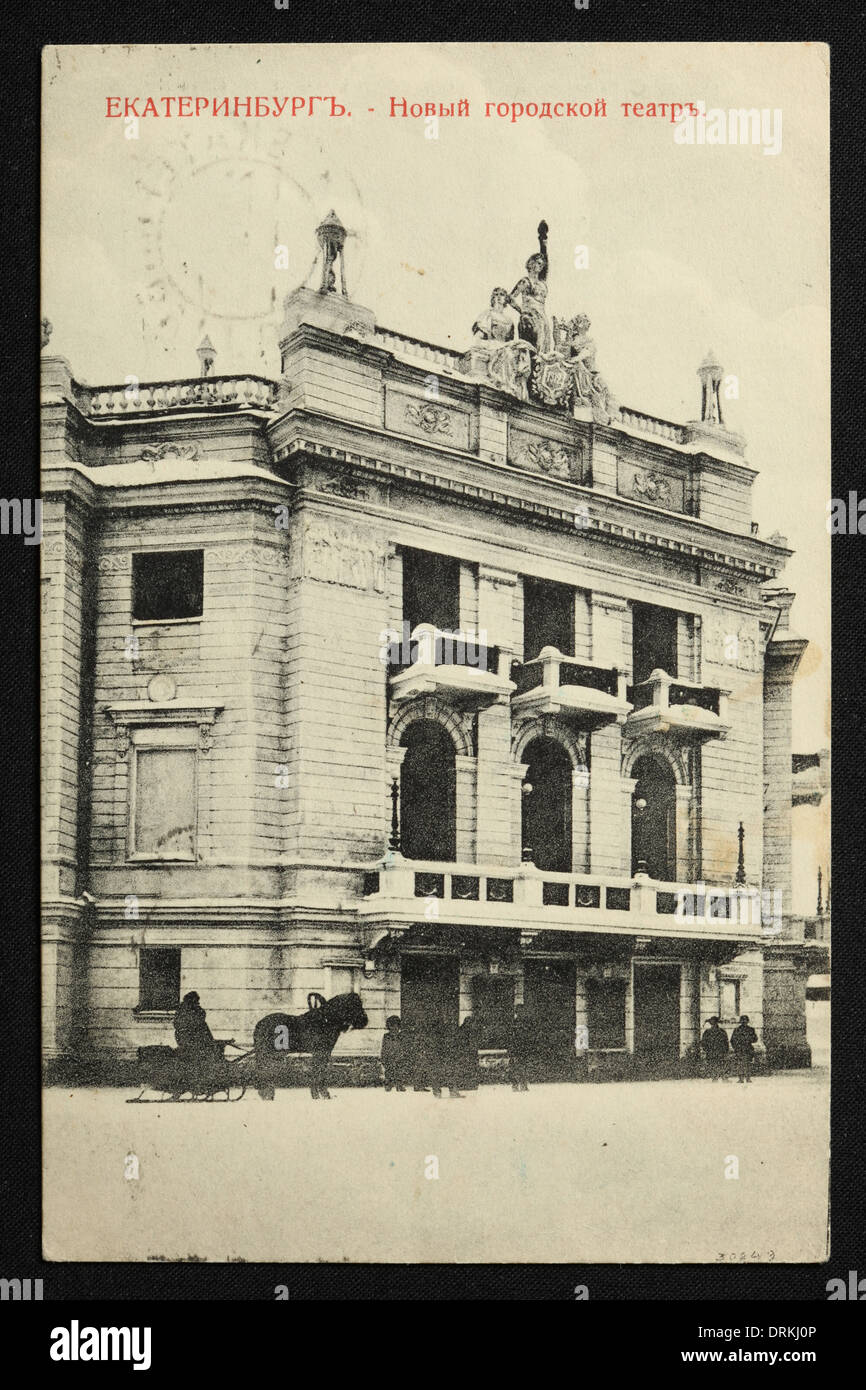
<point>158,978</point>
<point>431,590</point>
<point>493,1009</point>
<point>546,805</point>
<point>653,820</point>
<point>654,641</point>
<point>167,584</point>
<point>605,1012</point>
<point>428,813</point>
<point>548,617</point>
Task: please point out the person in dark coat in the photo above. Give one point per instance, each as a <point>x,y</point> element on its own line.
<point>715,1047</point>
<point>193,1037</point>
<point>393,1061</point>
<point>520,1050</point>
<point>427,1062</point>
<point>198,1051</point>
<point>443,1060</point>
<point>414,1059</point>
<point>743,1041</point>
<point>467,1054</point>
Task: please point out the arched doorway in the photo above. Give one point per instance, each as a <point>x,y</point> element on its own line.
<point>428,793</point>
<point>654,819</point>
<point>546,809</point>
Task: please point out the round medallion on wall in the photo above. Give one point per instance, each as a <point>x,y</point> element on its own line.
<point>161,688</point>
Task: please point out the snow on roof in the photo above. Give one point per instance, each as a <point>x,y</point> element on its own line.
<point>145,472</point>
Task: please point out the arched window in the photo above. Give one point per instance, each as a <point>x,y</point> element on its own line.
<point>547,805</point>
<point>428,792</point>
<point>653,819</point>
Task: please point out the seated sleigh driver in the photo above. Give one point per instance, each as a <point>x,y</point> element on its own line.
<point>195,1041</point>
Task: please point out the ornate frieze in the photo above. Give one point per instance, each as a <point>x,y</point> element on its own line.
<point>227,556</point>
<point>653,486</point>
<point>432,419</point>
<point>118,562</point>
<point>728,640</point>
<point>550,456</point>
<point>343,483</point>
<point>690,548</point>
<point>428,418</point>
<point>337,554</point>
<point>168,450</point>
<point>725,584</point>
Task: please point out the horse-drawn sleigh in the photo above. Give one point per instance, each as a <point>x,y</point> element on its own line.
<point>198,1070</point>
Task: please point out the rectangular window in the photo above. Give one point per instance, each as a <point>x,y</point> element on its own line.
<point>158,978</point>
<point>729,999</point>
<point>654,641</point>
<point>605,1012</point>
<point>431,590</point>
<point>164,808</point>
<point>167,584</point>
<point>548,617</point>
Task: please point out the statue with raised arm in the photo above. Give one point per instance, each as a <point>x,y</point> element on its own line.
<point>529,297</point>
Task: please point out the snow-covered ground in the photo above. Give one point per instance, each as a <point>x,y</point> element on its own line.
<point>573,1173</point>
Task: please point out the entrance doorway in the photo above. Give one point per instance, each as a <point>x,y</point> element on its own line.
<point>429,992</point>
<point>654,819</point>
<point>428,820</point>
<point>549,996</point>
<point>493,1009</point>
<point>546,818</point>
<point>657,1015</point>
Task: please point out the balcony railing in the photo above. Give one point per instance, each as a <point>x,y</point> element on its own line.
<point>433,646</point>
<point>530,899</point>
<point>462,666</point>
<point>195,393</point>
<point>649,424</point>
<point>555,684</point>
<point>663,704</point>
<point>402,345</point>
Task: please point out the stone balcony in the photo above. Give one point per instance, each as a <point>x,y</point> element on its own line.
<point>685,709</point>
<point>459,666</point>
<point>398,893</point>
<point>589,694</point>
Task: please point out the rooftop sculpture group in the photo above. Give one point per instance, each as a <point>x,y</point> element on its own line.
<point>552,362</point>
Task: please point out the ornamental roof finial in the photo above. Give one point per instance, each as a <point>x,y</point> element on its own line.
<point>710,372</point>
<point>206,356</point>
<point>332,238</point>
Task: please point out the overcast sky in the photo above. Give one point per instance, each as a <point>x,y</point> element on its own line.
<point>149,243</point>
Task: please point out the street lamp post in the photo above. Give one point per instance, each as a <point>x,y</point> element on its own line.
<point>394,841</point>
<point>740,879</point>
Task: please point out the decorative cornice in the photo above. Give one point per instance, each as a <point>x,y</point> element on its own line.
<point>629,536</point>
<point>135,714</point>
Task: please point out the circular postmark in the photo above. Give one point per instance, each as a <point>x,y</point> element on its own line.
<point>227,221</point>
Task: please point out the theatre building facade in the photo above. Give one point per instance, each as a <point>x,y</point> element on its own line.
<point>435,675</point>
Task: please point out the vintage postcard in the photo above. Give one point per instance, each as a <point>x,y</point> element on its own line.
<point>435,637</point>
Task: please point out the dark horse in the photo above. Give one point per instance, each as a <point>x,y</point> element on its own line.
<point>279,1035</point>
